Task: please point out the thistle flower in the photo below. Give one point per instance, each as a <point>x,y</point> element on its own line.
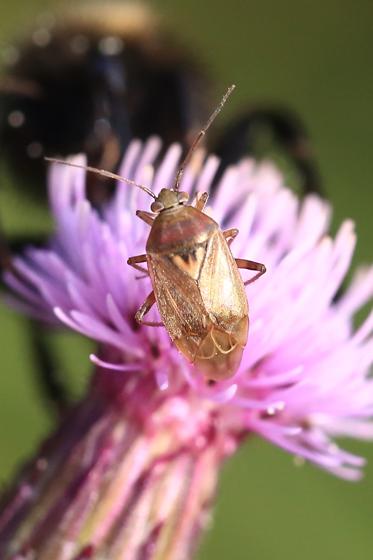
<point>137,460</point>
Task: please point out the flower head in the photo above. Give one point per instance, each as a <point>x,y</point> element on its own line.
<point>304,376</point>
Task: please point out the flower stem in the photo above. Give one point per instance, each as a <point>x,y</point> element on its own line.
<point>112,483</point>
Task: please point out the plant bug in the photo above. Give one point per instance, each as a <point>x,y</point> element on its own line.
<point>196,281</point>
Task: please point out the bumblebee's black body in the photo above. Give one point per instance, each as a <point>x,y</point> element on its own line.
<point>97,84</point>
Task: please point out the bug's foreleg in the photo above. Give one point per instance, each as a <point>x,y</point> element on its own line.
<point>251,265</point>
<point>230,234</point>
<point>144,309</point>
<point>133,261</point>
<point>146,217</point>
<point>201,200</point>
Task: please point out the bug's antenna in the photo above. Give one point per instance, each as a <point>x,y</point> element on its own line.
<point>104,173</point>
<point>199,136</point>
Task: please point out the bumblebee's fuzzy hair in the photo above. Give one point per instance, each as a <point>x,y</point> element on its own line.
<point>91,79</point>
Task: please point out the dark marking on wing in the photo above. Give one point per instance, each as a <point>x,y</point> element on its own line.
<point>190,261</point>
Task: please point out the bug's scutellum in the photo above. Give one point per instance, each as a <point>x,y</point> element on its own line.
<point>196,283</point>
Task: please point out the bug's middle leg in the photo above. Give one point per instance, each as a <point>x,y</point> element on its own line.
<point>251,265</point>
<point>144,309</point>
<point>230,234</point>
<point>133,261</point>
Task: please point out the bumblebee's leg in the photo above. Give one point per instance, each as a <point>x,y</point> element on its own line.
<point>144,309</point>
<point>132,261</point>
<point>230,234</point>
<point>10,246</point>
<point>201,200</point>
<point>47,371</point>
<point>242,138</point>
<point>146,217</point>
<point>251,265</point>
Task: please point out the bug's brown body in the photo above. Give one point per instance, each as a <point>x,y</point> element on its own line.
<point>199,291</point>
<point>196,283</point>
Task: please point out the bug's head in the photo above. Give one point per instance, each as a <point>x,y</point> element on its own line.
<point>168,198</point>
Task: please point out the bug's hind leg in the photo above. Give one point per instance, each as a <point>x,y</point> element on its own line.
<point>201,200</point>
<point>251,265</point>
<point>230,234</point>
<point>144,309</point>
<point>133,261</point>
<point>146,217</point>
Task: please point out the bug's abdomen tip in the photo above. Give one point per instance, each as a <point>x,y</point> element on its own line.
<point>218,355</point>
<point>220,366</point>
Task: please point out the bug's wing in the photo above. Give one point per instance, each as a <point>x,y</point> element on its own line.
<point>221,286</point>
<point>201,299</point>
<point>178,297</point>
<point>222,290</point>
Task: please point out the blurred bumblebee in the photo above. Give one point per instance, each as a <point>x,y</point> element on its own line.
<point>91,80</point>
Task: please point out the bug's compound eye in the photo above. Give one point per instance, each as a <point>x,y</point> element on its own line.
<point>156,206</point>
<point>183,197</point>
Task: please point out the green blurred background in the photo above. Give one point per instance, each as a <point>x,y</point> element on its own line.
<point>316,57</point>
